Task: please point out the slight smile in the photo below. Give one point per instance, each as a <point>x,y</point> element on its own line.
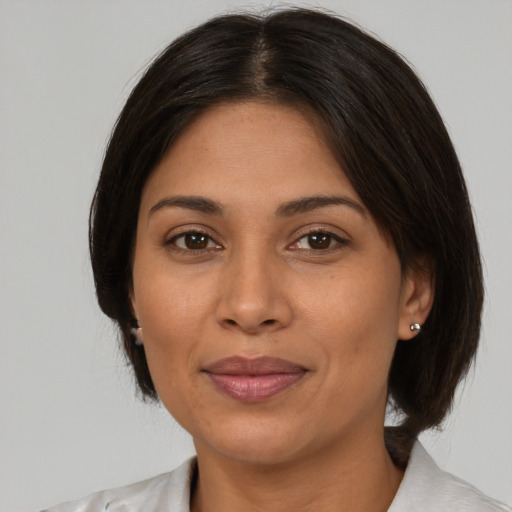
<point>253,380</point>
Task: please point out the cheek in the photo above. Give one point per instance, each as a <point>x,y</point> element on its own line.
<point>358,304</point>
<point>173,313</point>
<point>353,318</point>
<point>172,327</point>
<point>176,315</point>
<point>172,304</point>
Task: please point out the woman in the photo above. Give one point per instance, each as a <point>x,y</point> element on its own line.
<point>282,232</point>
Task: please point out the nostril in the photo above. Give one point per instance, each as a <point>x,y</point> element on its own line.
<point>250,326</point>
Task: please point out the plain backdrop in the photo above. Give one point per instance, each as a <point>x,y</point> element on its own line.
<point>70,421</point>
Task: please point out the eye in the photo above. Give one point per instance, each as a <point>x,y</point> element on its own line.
<point>193,241</point>
<point>318,241</point>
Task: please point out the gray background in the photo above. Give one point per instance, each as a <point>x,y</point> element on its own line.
<point>70,423</point>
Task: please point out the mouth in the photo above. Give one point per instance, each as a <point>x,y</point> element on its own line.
<point>253,380</point>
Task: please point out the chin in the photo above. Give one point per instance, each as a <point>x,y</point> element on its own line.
<point>256,444</point>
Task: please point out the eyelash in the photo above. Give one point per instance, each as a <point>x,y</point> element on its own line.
<point>339,242</point>
<point>335,242</point>
<point>172,242</point>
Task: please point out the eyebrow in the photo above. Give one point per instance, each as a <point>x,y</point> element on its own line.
<point>288,209</point>
<point>307,204</point>
<point>196,203</point>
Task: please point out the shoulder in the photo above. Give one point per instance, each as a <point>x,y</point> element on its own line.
<point>427,488</point>
<point>169,491</point>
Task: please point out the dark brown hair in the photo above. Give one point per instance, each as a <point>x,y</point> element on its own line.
<point>390,141</point>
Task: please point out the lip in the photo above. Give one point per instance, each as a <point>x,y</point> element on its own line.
<point>253,380</point>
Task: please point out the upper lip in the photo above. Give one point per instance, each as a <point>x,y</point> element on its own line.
<point>265,365</point>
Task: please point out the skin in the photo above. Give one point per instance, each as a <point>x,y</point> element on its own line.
<point>261,286</point>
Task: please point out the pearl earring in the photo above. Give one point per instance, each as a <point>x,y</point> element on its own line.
<point>137,332</point>
<point>416,328</point>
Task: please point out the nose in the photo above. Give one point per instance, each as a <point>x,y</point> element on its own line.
<point>253,295</point>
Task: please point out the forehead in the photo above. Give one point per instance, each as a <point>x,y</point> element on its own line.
<point>251,149</point>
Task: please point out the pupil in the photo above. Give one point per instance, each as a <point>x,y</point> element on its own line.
<point>196,241</point>
<point>319,241</point>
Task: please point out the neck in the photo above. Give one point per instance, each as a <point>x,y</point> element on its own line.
<point>359,477</point>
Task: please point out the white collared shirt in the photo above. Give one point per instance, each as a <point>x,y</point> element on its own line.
<point>424,488</point>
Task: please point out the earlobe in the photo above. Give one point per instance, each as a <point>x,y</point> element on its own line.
<point>417,300</point>
<point>133,304</point>
<point>136,331</point>
<point>133,301</point>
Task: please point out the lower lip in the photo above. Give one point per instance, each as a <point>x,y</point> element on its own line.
<point>254,388</point>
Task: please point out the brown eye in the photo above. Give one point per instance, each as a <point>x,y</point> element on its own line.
<point>194,241</point>
<point>319,240</point>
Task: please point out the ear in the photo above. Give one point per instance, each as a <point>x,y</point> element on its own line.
<point>133,305</point>
<point>136,331</point>
<point>417,298</point>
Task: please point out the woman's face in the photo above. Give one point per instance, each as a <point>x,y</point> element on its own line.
<point>269,302</point>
